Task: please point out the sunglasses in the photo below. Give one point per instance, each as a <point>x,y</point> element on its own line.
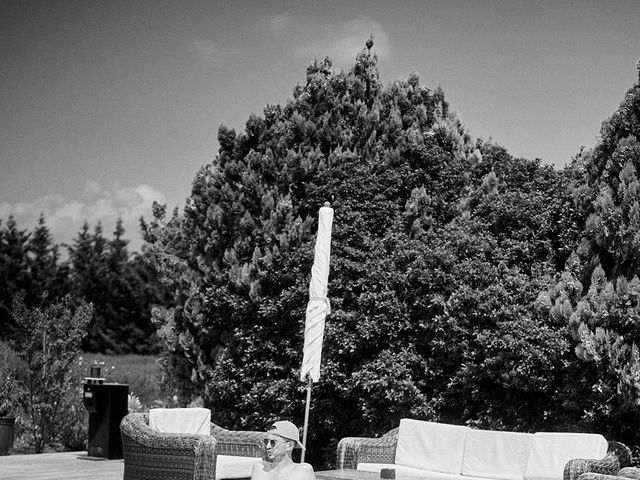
<point>272,442</point>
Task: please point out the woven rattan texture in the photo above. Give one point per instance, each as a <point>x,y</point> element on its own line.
<point>149,454</point>
<point>238,442</point>
<point>609,465</point>
<point>624,474</point>
<point>354,450</point>
<point>617,457</point>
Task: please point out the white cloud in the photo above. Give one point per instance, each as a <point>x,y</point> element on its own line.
<point>64,217</point>
<point>91,189</point>
<point>341,42</point>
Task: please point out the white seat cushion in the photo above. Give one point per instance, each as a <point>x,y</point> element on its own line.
<point>437,447</point>
<point>230,466</point>
<point>551,452</point>
<point>180,420</point>
<point>493,454</point>
<point>404,470</point>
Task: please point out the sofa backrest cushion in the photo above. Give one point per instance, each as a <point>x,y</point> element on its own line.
<point>551,451</point>
<point>180,420</point>
<point>494,454</point>
<point>430,446</point>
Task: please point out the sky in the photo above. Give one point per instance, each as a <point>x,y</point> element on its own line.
<point>107,106</point>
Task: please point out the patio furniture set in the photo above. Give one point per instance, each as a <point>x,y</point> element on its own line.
<point>414,450</point>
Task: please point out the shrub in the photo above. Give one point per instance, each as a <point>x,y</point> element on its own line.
<point>48,342</point>
<point>9,392</point>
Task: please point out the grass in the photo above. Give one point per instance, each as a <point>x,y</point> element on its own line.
<point>141,372</point>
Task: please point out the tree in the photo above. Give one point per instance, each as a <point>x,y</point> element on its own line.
<point>88,272</point>
<point>47,272</point>
<point>29,263</point>
<point>431,264</point>
<point>119,286</point>
<point>595,297</point>
<point>608,191</point>
<point>13,271</point>
<point>164,256</point>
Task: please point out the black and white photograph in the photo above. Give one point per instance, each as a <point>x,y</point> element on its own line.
<point>333,240</point>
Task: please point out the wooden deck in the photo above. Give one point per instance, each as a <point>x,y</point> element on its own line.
<point>59,466</point>
<point>78,466</point>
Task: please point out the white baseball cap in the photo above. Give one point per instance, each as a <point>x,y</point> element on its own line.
<point>288,430</point>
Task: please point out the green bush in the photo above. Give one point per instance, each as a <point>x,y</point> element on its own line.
<point>8,387</point>
<point>48,343</point>
<point>74,429</point>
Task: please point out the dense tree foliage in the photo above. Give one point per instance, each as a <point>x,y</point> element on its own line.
<point>30,263</point>
<point>445,256</point>
<point>120,288</point>
<point>597,295</point>
<point>98,270</point>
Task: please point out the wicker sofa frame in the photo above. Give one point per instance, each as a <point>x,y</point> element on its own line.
<point>152,455</point>
<point>625,473</point>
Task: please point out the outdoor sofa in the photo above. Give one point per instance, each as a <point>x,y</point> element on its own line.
<point>452,452</point>
<point>150,454</point>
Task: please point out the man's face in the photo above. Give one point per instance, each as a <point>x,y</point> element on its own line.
<point>276,446</point>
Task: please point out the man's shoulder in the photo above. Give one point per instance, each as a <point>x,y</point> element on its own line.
<point>260,468</point>
<point>306,471</point>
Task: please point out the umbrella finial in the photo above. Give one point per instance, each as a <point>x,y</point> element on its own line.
<point>326,204</point>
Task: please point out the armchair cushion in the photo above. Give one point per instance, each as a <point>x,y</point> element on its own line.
<point>181,420</point>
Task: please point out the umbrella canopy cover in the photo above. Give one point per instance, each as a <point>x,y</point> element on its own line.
<point>318,307</point>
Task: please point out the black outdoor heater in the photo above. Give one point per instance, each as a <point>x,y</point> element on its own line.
<point>107,405</point>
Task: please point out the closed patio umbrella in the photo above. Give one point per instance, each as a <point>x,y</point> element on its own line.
<point>317,309</point>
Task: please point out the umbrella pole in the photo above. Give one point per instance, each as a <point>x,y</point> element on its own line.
<point>306,417</point>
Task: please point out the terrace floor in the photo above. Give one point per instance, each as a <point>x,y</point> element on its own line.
<point>78,466</point>
<point>59,466</point>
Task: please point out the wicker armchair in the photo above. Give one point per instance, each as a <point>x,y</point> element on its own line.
<point>238,442</point>
<point>235,443</point>
<point>149,454</point>
<point>354,450</point>
<point>152,455</point>
<point>618,457</point>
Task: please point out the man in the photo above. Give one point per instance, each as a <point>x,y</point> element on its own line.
<point>281,439</point>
